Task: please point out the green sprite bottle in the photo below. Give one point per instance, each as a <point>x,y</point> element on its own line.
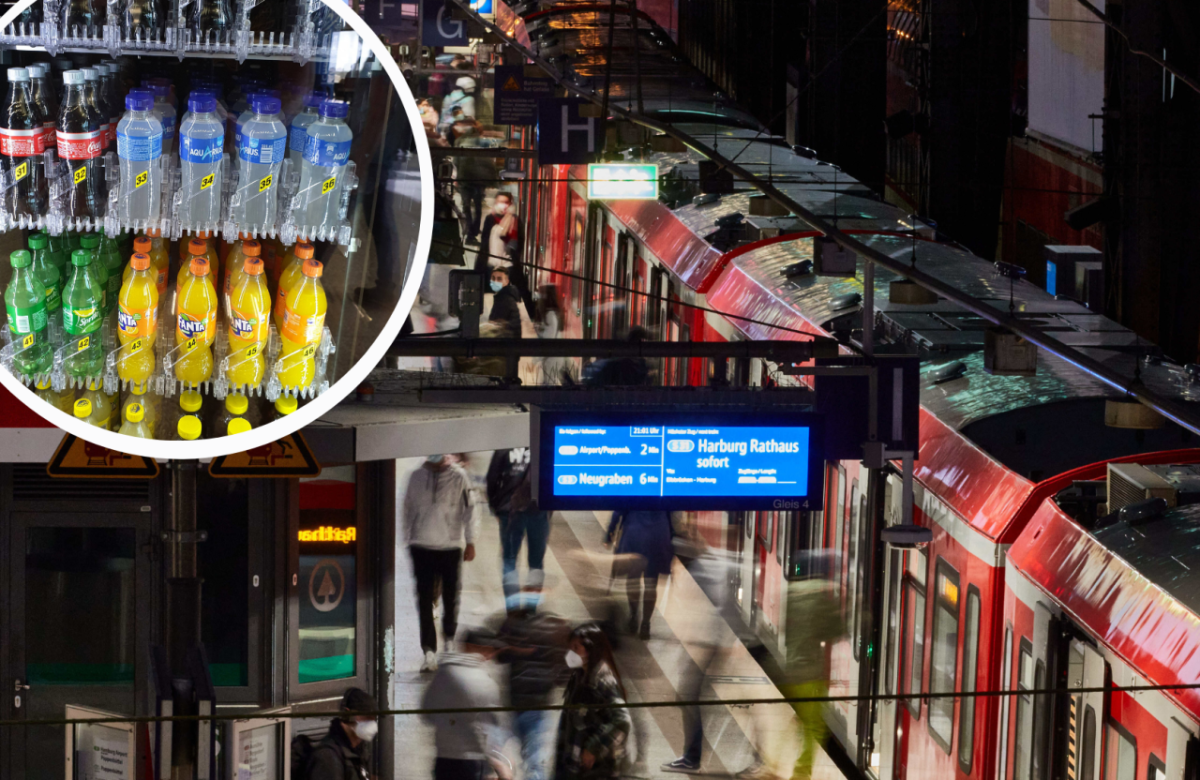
<point>40,241</point>
<point>47,273</point>
<point>60,253</point>
<point>82,314</point>
<point>90,243</point>
<point>110,254</point>
<point>25,300</point>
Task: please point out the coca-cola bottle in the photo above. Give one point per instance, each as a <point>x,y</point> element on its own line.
<point>45,99</point>
<point>93,95</point>
<point>140,19</point>
<point>22,142</point>
<point>212,15</point>
<point>84,14</point>
<point>80,145</point>
<point>106,96</point>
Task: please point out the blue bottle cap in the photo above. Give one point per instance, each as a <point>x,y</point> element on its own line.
<point>201,104</point>
<point>139,100</point>
<point>314,99</point>
<point>159,90</point>
<point>265,104</point>
<point>337,109</point>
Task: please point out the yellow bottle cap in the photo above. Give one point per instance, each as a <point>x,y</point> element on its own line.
<point>286,404</point>
<point>83,408</point>
<point>190,401</point>
<point>135,413</point>
<point>237,403</point>
<point>189,427</point>
<point>239,425</point>
<point>43,383</point>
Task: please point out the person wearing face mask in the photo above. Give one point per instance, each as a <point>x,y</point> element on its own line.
<point>500,244</point>
<point>340,755</point>
<point>505,301</point>
<point>439,514</point>
<point>592,740</point>
<point>466,743</point>
<point>461,95</point>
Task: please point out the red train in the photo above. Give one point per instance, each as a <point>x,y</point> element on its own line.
<point>1033,580</point>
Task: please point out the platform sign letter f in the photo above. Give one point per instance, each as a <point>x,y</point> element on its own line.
<point>588,126</point>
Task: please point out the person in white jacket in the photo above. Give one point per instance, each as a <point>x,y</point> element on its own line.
<point>439,515</point>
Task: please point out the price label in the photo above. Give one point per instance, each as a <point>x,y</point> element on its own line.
<point>264,184</point>
<point>21,171</point>
<point>328,185</point>
<point>207,181</point>
<point>80,174</point>
<point>29,341</point>
<point>252,351</point>
<point>136,346</point>
<point>83,343</point>
<point>309,351</point>
<point>191,344</point>
<point>141,179</point>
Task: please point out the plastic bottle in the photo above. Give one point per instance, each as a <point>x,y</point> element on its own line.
<point>148,401</point>
<point>62,401</point>
<point>196,324</point>
<point>303,321</point>
<point>233,260</point>
<point>197,247</point>
<point>201,139</point>
<point>289,278</point>
<point>212,16</point>
<point>139,19</point>
<point>298,133</point>
<point>190,405</point>
<point>114,265</point>
<point>94,407</point>
<point>46,273</point>
<point>164,111</point>
<point>81,143</point>
<point>83,313</point>
<point>90,243</point>
<point>106,93</point>
<point>46,101</point>
<point>59,251</point>
<point>25,300</point>
<point>93,95</point>
<point>249,325</point>
<point>326,152</point>
<point>84,13</point>
<point>285,405</point>
<point>213,256</point>
<point>22,143</point>
<point>138,322</point>
<point>236,407</point>
<point>261,150</point>
<point>140,148</point>
<point>135,422</point>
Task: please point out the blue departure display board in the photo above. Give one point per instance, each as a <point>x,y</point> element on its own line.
<point>714,461</point>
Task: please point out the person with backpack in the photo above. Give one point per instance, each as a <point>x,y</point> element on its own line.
<point>340,755</point>
<point>510,497</point>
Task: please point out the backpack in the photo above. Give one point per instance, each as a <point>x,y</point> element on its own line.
<point>302,750</point>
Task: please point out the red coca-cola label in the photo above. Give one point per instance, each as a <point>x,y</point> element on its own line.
<point>48,131</point>
<point>80,146</point>
<point>22,143</point>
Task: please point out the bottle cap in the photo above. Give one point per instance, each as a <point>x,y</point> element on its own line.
<point>140,261</point>
<point>304,251</point>
<point>313,99</point>
<point>142,244</point>
<point>239,425</point>
<point>237,403</point>
<point>198,246</point>
<point>201,104</point>
<point>154,232</point>
<point>286,404</point>
<point>36,70</point>
<point>139,100</point>
<point>199,265</point>
<point>159,90</point>
<point>89,241</point>
<point>39,241</point>
<point>336,109</point>
<point>265,104</point>
<point>189,427</point>
<point>312,268</point>
<point>20,258</point>
<point>253,266</point>
<point>18,74</point>
<point>90,74</point>
<point>251,248</point>
<point>81,257</point>
<point>135,413</point>
<point>83,408</point>
<point>43,383</point>
<point>190,401</point>
<point>73,77</point>
<point>95,383</point>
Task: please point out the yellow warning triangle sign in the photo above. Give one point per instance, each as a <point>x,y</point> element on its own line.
<point>511,85</point>
<point>76,458</point>
<point>288,457</point>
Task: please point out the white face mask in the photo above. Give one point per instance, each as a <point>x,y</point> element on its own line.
<point>574,661</point>
<point>366,730</point>
<point>500,209</point>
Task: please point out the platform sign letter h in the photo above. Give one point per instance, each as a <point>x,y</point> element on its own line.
<point>586,126</point>
<point>564,136</point>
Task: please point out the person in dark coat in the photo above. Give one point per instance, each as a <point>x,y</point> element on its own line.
<point>340,755</point>
<point>592,740</point>
<point>505,303</point>
<point>511,500</point>
<point>645,550</point>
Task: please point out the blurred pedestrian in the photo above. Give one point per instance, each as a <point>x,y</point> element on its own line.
<point>429,114</point>
<point>510,497</point>
<point>645,537</point>
<point>502,230</point>
<point>475,174</point>
<point>463,96</point>
<point>466,743</point>
<point>533,643</point>
<point>341,754</point>
<point>548,321</point>
<point>439,515</point>
<point>505,302</point>
<point>629,371</point>
<point>592,740</point>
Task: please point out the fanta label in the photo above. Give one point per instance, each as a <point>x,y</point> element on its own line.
<point>133,322</point>
<point>299,329</point>
<point>80,146</point>
<point>22,143</point>
<point>247,327</point>
<point>190,326</point>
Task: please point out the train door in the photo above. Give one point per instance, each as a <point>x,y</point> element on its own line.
<point>78,619</point>
<point>883,723</point>
<point>1086,715</point>
<point>749,562</point>
<point>912,654</point>
<point>1043,675</point>
<point>593,233</point>
<point>573,289</point>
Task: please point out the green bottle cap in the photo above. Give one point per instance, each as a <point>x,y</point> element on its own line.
<point>238,425</point>
<point>83,408</point>
<point>236,403</point>
<point>20,258</point>
<point>89,241</point>
<point>81,257</point>
<point>190,401</point>
<point>286,404</point>
<point>39,241</point>
<point>189,427</point>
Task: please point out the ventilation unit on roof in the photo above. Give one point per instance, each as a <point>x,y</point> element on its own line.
<point>832,259</point>
<point>762,206</point>
<point>1007,354</point>
<point>1129,483</point>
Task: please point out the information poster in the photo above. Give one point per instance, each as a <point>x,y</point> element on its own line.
<point>518,90</point>
<point>258,753</point>
<point>102,753</point>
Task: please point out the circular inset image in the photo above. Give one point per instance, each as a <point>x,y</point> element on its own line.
<point>213,217</point>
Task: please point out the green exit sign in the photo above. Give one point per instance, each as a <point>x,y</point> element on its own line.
<point>623,181</point>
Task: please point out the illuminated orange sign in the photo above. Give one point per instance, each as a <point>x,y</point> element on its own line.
<point>328,533</point>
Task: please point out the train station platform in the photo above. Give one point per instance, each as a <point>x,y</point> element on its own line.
<point>577,564</point>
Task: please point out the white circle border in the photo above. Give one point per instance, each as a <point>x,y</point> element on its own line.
<point>168,449</point>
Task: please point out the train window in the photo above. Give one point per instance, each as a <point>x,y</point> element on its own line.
<point>914,640</point>
<point>966,708</point>
<point>1156,770</point>
<point>780,524</point>
<point>858,572</point>
<point>944,656</point>
<point>1024,730</point>
<point>1120,755</point>
<point>896,572</point>
<point>1087,756</point>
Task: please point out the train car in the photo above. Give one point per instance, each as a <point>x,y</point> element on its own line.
<point>719,263</point>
